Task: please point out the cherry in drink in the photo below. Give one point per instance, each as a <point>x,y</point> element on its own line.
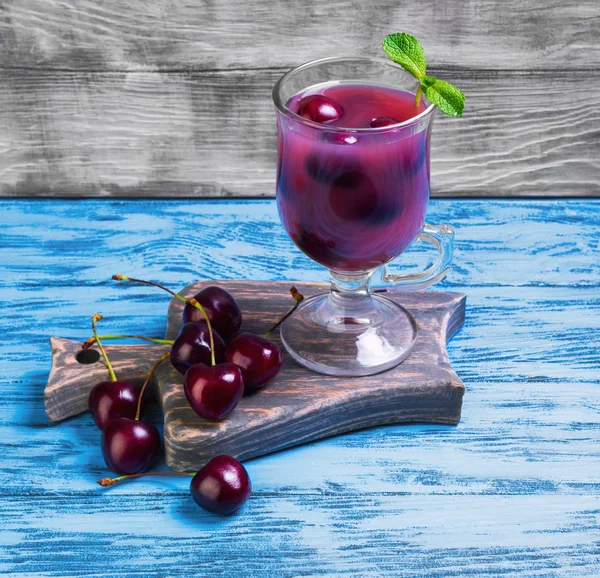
<point>353,181</point>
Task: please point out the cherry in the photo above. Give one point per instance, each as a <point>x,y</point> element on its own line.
<point>111,399</point>
<point>353,197</point>
<point>221,486</point>
<point>213,392</point>
<point>258,357</point>
<point>196,342</point>
<point>382,121</point>
<point>129,446</point>
<point>354,179</point>
<point>386,213</point>
<point>222,309</point>
<point>317,248</point>
<point>319,108</point>
<point>192,346</point>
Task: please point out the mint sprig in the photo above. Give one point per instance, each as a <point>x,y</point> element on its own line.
<point>406,51</point>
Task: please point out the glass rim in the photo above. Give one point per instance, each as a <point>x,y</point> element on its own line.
<point>281,107</point>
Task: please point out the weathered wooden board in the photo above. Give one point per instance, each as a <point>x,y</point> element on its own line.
<point>170,135</point>
<point>70,382</point>
<point>513,490</point>
<point>134,99</point>
<point>298,405</point>
<point>233,34</point>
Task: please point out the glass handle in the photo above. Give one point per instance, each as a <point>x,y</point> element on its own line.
<point>442,238</point>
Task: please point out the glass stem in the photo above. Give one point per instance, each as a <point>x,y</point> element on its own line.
<point>350,291</point>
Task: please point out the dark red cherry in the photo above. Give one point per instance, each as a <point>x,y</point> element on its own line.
<point>222,310</point>
<point>319,108</point>
<point>213,392</point>
<point>129,446</point>
<point>353,197</point>
<point>221,486</point>
<point>316,247</point>
<point>192,346</point>
<point>111,399</point>
<point>383,121</point>
<point>258,357</point>
<point>385,213</point>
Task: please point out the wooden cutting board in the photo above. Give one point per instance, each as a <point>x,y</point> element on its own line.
<point>298,406</point>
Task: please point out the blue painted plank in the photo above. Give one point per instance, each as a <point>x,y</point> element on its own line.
<point>371,535</point>
<point>534,387</point>
<point>514,487</point>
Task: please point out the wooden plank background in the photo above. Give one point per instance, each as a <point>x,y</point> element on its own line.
<point>157,98</point>
<point>513,490</point>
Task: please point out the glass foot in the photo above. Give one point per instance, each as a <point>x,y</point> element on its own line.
<point>364,338</point>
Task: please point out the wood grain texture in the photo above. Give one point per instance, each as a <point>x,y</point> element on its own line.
<point>213,134</point>
<point>204,35</point>
<point>322,535</point>
<point>173,99</point>
<point>70,382</point>
<point>512,490</point>
<point>298,406</point>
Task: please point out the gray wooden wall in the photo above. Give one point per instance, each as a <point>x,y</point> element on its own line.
<point>172,97</point>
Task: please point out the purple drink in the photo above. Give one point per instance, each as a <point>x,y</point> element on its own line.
<point>352,191</point>
<point>351,199</point>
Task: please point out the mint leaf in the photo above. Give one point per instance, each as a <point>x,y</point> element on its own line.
<point>406,51</point>
<point>449,99</point>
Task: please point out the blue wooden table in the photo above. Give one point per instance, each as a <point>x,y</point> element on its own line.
<point>514,488</point>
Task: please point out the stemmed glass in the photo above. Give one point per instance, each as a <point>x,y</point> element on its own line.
<point>353,200</point>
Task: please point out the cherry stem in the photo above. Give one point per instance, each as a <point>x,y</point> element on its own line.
<point>299,298</point>
<point>112,481</point>
<point>154,368</point>
<point>191,301</point>
<point>92,340</point>
<point>418,96</point>
<point>95,318</point>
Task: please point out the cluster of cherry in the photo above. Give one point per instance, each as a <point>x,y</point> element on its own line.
<point>219,366</point>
